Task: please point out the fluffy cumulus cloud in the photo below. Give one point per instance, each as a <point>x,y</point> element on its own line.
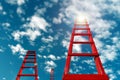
<point>38,23</point>
<point>19,34</point>
<point>17,49</point>
<point>35,25</point>
<point>49,65</point>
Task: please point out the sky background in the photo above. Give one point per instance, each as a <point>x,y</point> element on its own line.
<point>45,26</point>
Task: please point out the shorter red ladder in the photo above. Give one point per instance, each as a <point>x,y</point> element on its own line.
<point>31,59</point>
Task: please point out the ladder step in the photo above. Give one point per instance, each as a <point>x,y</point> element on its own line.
<point>27,75</point>
<point>28,66</point>
<point>82,34</point>
<point>81,28</point>
<point>30,58</point>
<point>30,55</point>
<point>82,42</point>
<point>84,54</point>
<point>28,61</point>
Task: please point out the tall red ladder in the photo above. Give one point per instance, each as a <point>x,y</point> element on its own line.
<point>31,59</point>
<point>101,73</point>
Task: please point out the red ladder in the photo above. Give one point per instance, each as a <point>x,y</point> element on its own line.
<point>31,59</point>
<point>101,73</point>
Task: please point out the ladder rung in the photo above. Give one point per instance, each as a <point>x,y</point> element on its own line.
<point>83,54</point>
<point>30,55</point>
<point>82,34</point>
<point>81,24</point>
<point>28,66</point>
<point>81,28</point>
<point>30,58</point>
<point>28,61</point>
<point>82,42</point>
<point>27,75</point>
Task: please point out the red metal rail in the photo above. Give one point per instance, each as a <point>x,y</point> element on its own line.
<point>52,74</point>
<point>101,73</point>
<point>31,59</point>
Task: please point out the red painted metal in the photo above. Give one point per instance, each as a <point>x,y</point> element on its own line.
<point>101,73</point>
<point>52,74</point>
<point>31,59</point>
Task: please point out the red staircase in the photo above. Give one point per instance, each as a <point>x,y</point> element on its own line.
<point>31,59</point>
<point>101,73</point>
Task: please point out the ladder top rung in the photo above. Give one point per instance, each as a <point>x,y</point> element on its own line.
<point>81,28</point>
<point>80,24</point>
<point>84,54</point>
<point>27,75</point>
<point>82,42</point>
<point>82,34</point>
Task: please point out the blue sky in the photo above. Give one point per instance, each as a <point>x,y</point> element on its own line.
<point>45,26</point>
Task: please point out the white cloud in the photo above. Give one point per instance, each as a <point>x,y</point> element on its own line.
<point>49,65</point>
<point>47,40</point>
<point>6,24</point>
<point>118,72</point>
<point>1,50</point>
<point>17,34</point>
<point>110,53</point>
<point>55,1</point>
<point>18,2</point>
<point>40,11</point>
<point>112,76</point>
<point>48,4</point>
<point>17,49</point>
<point>1,8</point>
<point>59,19</point>
<point>66,40</point>
<point>20,11</point>
<point>109,71</point>
<point>52,57</point>
<point>38,23</point>
<point>42,48</point>
<point>65,43</point>
<point>4,78</point>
